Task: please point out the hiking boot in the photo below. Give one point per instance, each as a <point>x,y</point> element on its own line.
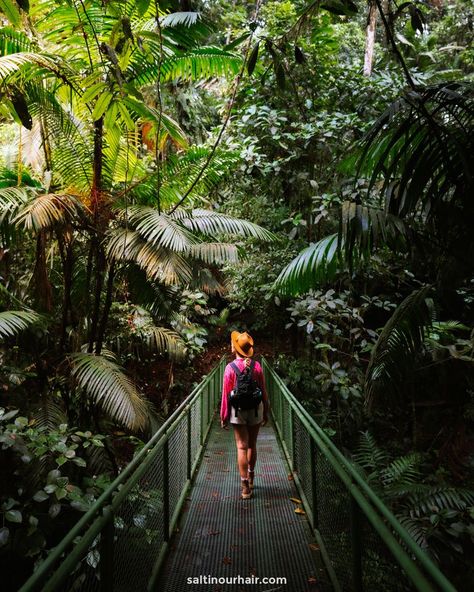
<point>246,491</point>
<point>251,478</point>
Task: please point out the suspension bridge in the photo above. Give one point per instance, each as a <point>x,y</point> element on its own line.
<point>173,519</point>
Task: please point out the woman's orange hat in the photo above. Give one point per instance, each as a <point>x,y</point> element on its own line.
<point>243,343</point>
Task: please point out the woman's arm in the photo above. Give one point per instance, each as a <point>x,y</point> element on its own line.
<point>261,381</point>
<point>227,386</point>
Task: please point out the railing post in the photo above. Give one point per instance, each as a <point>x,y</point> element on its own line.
<point>201,416</point>
<point>166,492</point>
<point>356,547</point>
<point>189,448</point>
<point>314,494</point>
<point>210,394</point>
<point>280,409</point>
<point>106,566</point>
<point>292,438</point>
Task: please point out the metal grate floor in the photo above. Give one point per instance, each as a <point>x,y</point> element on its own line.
<point>223,536</point>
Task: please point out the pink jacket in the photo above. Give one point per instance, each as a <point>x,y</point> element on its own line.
<point>229,384</point>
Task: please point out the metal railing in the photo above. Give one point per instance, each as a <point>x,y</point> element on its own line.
<point>121,541</point>
<point>363,545</point>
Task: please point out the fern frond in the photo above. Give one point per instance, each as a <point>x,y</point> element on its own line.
<point>416,529</point>
<point>425,499</point>
<point>368,454</point>
<point>402,471</point>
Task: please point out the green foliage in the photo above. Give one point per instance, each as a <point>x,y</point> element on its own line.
<point>51,482</point>
<point>437,516</point>
<point>398,345</point>
<point>133,333</point>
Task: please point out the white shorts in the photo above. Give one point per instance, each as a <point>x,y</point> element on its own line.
<point>246,416</point>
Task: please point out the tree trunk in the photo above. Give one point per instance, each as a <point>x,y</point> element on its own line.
<point>370,39</point>
<point>106,309</point>
<point>44,293</point>
<point>66,250</point>
<point>100,226</point>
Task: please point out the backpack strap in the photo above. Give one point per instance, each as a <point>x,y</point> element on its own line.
<point>235,368</point>
<point>252,366</point>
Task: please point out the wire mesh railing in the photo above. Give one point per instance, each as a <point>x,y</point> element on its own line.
<point>120,543</point>
<point>363,545</point>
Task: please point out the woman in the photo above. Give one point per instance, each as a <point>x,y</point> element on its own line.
<point>246,423</point>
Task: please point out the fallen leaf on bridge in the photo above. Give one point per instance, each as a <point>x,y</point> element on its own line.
<point>227,560</point>
<point>299,511</point>
<point>296,500</point>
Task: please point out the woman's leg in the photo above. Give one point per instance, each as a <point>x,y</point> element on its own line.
<point>241,433</point>
<point>252,446</point>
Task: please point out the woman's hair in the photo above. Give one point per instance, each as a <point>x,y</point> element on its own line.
<point>247,362</point>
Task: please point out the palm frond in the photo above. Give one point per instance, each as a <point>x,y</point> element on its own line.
<point>162,230</point>
<point>213,224</point>
<point>30,63</point>
<point>107,386</point>
<point>165,341</point>
<point>215,253</point>
<point>48,414</point>
<point>169,127</point>
<point>194,64</point>
<point>13,322</point>
<point>12,199</point>
<point>13,41</point>
<point>48,209</point>
<point>398,345</point>
<point>315,265</point>
<point>160,264</point>
<point>362,230</point>
<point>423,148</point>
<point>180,18</point>
<point>202,63</point>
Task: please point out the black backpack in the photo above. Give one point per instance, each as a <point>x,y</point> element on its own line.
<point>246,394</point>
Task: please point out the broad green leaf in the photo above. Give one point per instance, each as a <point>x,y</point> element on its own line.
<point>14,516</point>
<point>10,9</point>
<point>126,116</point>
<point>253,59</point>
<point>4,535</point>
<point>93,91</point>
<point>40,496</point>
<point>101,105</point>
